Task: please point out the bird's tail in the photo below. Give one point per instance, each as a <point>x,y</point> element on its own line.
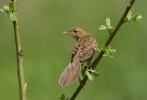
<point>70,73</point>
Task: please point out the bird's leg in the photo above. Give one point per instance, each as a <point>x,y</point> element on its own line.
<point>80,81</point>
<point>89,64</point>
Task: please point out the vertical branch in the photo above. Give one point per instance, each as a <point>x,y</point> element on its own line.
<point>97,60</point>
<point>19,55</point>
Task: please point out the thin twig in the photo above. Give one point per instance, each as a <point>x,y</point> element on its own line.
<point>19,55</point>
<point>97,60</point>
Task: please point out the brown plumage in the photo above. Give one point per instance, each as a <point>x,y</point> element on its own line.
<point>84,49</point>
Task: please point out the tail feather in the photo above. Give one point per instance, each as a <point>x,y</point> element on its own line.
<point>70,73</point>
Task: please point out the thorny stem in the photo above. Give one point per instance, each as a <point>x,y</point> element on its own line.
<point>19,55</point>
<point>97,60</point>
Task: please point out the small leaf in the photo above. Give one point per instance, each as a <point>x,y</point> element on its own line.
<point>108,22</point>
<point>113,50</point>
<point>110,54</point>
<point>139,17</point>
<point>103,48</point>
<point>129,15</point>
<point>12,16</point>
<point>95,73</point>
<point>89,76</point>
<point>108,51</point>
<point>2,10</point>
<point>11,6</point>
<point>132,16</point>
<point>6,9</point>
<point>103,28</point>
<point>109,47</point>
<point>63,97</point>
<point>105,54</point>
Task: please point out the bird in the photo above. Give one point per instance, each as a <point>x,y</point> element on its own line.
<point>85,47</point>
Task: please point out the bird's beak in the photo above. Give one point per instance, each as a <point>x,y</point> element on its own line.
<point>65,32</point>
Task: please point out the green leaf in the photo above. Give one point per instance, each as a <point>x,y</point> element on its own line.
<point>110,54</point>
<point>113,50</point>
<point>11,6</point>
<point>138,17</point>
<point>103,28</point>
<point>5,9</point>
<point>129,15</point>
<point>108,51</point>
<point>2,10</point>
<point>89,76</point>
<point>95,73</point>
<point>105,54</point>
<point>12,16</point>
<point>109,47</point>
<point>63,97</point>
<point>108,26</point>
<point>132,16</point>
<point>103,48</point>
<point>108,22</point>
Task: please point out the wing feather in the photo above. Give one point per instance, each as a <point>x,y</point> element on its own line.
<point>85,48</point>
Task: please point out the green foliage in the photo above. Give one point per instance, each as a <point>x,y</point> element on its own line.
<point>108,51</point>
<point>9,11</point>
<point>89,73</point>
<point>132,16</point>
<point>103,28</point>
<point>95,73</point>
<point>89,76</point>
<point>107,27</point>
<point>63,97</point>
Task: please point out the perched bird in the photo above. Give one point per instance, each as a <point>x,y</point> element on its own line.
<point>84,49</point>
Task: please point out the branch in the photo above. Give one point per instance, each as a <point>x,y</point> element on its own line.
<point>19,55</point>
<point>97,60</point>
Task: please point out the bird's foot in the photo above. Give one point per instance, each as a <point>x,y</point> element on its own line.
<point>89,64</point>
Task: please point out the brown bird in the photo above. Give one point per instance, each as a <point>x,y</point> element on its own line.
<point>84,49</point>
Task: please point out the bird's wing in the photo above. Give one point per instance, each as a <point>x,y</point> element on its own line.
<point>84,48</point>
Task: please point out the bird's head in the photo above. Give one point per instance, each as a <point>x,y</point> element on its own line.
<point>77,32</point>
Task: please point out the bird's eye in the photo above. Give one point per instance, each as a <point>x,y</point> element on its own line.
<point>75,31</point>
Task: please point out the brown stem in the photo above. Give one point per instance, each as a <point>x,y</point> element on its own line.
<point>97,60</point>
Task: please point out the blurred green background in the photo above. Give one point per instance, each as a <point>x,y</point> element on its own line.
<point>47,52</point>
